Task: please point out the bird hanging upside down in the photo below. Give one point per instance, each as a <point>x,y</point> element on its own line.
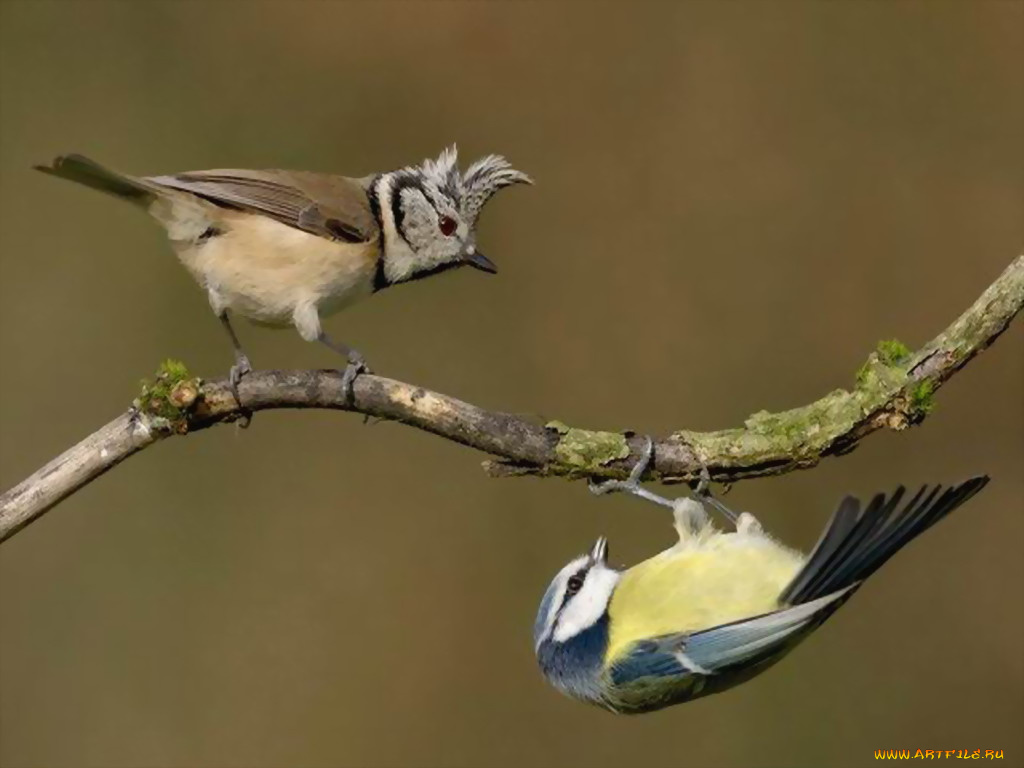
<point>717,608</point>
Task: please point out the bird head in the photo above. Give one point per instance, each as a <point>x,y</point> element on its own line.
<point>571,631</point>
<point>430,211</point>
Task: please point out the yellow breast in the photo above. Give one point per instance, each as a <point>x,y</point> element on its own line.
<point>699,584</point>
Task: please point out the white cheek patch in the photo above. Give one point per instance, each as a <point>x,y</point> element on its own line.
<point>588,605</point>
<point>426,248</point>
<point>559,595</point>
<point>398,257</point>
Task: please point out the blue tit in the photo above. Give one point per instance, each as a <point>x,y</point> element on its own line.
<point>718,607</point>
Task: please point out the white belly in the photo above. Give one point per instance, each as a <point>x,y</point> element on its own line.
<point>265,270</point>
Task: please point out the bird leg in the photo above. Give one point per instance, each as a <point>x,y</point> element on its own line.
<point>241,366</point>
<point>632,484</point>
<point>701,492</point>
<point>690,516</point>
<point>356,364</point>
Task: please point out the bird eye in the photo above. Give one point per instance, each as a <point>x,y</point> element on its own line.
<point>574,585</point>
<point>447,225</point>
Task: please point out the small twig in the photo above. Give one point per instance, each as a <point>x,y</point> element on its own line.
<point>894,390</point>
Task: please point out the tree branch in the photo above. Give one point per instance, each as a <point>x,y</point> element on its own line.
<point>894,389</point>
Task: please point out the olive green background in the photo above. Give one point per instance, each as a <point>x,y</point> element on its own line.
<point>734,202</point>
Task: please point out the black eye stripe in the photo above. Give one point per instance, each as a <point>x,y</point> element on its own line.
<point>398,185</point>
<point>404,181</point>
<point>581,575</point>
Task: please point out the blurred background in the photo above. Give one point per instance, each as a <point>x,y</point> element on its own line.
<point>734,203</point>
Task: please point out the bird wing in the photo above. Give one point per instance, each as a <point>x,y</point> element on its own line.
<point>679,667</point>
<point>711,650</point>
<point>333,207</point>
<point>730,644</point>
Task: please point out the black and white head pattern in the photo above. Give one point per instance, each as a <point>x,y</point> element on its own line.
<point>428,213</point>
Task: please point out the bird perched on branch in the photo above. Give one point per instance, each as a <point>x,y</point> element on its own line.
<point>288,247</point>
<point>719,607</point>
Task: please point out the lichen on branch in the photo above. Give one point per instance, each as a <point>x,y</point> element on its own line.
<point>894,389</point>
<point>585,452</point>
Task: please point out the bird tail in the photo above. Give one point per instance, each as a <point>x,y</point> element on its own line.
<point>857,543</point>
<point>91,174</point>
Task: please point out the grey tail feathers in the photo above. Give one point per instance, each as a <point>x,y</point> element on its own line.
<point>857,543</point>
<point>92,174</point>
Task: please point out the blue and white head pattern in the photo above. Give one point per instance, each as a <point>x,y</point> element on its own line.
<point>570,633</point>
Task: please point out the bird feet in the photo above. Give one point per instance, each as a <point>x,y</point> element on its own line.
<point>631,484</point>
<point>685,508</point>
<point>689,514</point>
<point>241,368</point>
<point>356,365</point>
<point>702,491</point>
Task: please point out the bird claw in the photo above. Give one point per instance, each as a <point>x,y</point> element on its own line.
<point>632,483</point>
<point>702,492</point>
<point>703,487</point>
<point>239,370</point>
<point>241,367</point>
<point>356,366</point>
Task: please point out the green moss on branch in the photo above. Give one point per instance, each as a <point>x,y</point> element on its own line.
<point>585,452</point>
<point>169,398</point>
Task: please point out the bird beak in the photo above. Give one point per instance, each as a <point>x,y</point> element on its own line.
<point>600,551</point>
<point>477,260</point>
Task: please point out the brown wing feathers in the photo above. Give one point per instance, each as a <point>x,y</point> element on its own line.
<point>333,207</point>
<point>341,211</point>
